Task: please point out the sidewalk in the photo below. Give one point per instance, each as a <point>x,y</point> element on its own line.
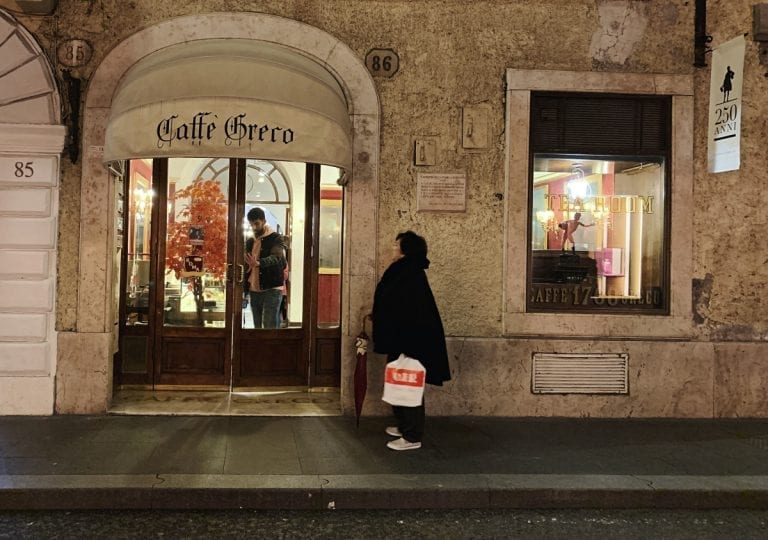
<point>326,462</point>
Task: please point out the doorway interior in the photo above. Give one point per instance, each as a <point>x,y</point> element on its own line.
<point>185,322</point>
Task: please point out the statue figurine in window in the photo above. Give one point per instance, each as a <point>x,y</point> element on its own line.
<point>569,227</point>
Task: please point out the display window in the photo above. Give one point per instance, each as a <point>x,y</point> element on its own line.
<point>598,221</point>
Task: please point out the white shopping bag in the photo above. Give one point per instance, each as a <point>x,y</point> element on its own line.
<point>404,382</point>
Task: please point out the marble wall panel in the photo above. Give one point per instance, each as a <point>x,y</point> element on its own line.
<point>95,236</point>
<point>361,198</point>
<point>26,395</point>
<point>26,233</point>
<point>26,296</point>
<point>24,359</point>
<point>682,233</point>
<point>741,380</point>
<point>492,377</point>
<point>83,373</point>
<point>359,291</point>
<point>518,126</point>
<point>22,264</point>
<point>23,327</point>
<point>25,202</point>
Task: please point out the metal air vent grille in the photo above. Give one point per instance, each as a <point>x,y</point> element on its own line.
<point>598,373</point>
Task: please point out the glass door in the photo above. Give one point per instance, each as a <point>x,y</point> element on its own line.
<point>303,204</point>
<point>194,303</point>
<point>272,335</point>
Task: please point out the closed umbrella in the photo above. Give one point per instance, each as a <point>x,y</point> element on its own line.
<point>361,371</point>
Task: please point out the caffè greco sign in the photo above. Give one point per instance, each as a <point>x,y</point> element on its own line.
<point>205,127</point>
<point>223,127</point>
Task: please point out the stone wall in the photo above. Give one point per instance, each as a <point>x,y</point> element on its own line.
<point>459,61</point>
<point>454,53</point>
<point>730,244</point>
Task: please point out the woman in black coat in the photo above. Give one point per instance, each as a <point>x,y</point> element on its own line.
<point>406,320</point>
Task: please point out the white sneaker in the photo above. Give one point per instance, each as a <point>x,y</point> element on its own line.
<point>393,431</point>
<point>402,444</point>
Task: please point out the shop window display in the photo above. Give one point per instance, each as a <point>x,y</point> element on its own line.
<point>598,225</point>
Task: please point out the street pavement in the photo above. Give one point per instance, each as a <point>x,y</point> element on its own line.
<point>327,463</point>
<point>385,524</point>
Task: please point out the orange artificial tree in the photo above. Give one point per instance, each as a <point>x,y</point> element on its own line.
<point>205,208</point>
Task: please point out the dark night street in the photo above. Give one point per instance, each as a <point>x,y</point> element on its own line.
<point>377,524</point>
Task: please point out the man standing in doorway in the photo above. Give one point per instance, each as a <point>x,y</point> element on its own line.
<point>265,258</point>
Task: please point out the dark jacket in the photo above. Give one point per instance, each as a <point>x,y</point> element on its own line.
<point>272,261</point>
<point>406,319</point>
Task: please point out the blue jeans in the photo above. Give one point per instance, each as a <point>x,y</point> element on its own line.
<point>265,306</point>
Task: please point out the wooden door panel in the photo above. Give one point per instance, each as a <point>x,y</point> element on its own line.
<point>327,365</point>
<point>272,361</point>
<point>328,356</point>
<point>193,355</point>
<point>193,361</point>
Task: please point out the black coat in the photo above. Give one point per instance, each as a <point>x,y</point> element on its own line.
<point>272,262</point>
<point>406,319</point>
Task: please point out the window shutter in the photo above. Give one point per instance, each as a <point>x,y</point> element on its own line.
<point>599,124</point>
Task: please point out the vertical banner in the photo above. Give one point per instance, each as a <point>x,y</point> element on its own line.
<point>725,106</point>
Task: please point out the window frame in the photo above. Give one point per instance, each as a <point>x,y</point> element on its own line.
<point>677,321</point>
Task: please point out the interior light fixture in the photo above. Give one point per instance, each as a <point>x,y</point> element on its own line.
<point>577,187</point>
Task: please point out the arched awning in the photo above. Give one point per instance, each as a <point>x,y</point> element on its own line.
<point>229,98</point>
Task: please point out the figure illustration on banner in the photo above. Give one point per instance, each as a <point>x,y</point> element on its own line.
<point>727,83</point>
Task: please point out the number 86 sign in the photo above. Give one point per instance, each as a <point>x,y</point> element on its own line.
<point>382,62</point>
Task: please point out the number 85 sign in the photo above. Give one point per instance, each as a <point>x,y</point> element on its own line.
<point>382,62</point>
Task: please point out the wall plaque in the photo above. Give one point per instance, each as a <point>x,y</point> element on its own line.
<point>29,170</point>
<point>475,131</point>
<point>425,151</point>
<point>441,192</point>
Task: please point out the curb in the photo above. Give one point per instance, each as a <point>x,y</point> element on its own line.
<point>348,492</point>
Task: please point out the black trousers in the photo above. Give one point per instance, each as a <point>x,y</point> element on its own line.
<point>410,421</point>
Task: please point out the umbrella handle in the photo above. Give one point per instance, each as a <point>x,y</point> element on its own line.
<point>366,318</point>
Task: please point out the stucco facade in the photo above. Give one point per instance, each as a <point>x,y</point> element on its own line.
<point>707,359</point>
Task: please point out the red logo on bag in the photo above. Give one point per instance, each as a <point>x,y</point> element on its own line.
<point>405,377</point>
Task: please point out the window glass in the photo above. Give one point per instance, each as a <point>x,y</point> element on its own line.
<point>196,243</point>
<point>278,189</point>
<point>597,233</point>
<point>140,197</point>
<point>329,267</point>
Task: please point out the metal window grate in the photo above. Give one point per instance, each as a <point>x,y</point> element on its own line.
<point>597,373</point>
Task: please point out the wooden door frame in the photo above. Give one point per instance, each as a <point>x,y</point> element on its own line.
<point>246,339</point>
<point>312,337</point>
<point>145,378</point>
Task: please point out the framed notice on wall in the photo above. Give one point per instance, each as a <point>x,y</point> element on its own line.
<point>441,192</point>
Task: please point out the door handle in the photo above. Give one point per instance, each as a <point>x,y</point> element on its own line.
<point>229,272</point>
<point>241,273</point>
